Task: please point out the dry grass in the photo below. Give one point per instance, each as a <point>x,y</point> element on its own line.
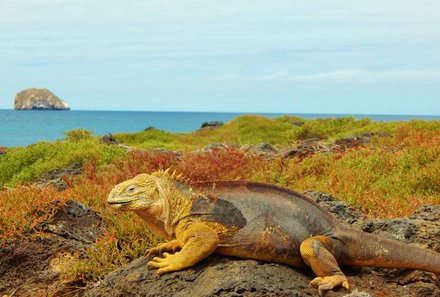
<point>23,208</point>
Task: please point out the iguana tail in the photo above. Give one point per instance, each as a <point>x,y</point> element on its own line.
<point>364,249</point>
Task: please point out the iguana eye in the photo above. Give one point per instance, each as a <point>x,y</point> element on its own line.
<point>131,189</point>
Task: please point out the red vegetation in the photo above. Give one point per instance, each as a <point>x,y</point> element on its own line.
<point>218,164</point>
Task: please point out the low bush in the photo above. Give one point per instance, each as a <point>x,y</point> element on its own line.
<point>22,165</point>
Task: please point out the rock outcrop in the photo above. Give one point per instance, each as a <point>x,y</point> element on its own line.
<point>39,99</point>
<point>2,151</point>
<point>214,124</point>
<point>108,139</point>
<point>31,265</point>
<point>57,177</point>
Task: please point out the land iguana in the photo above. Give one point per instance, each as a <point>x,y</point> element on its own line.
<point>256,221</point>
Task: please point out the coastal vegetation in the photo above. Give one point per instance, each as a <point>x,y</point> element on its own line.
<point>281,131</point>
<point>20,166</point>
<point>390,176</point>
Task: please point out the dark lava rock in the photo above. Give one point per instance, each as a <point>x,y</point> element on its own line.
<point>264,148</point>
<point>315,145</point>
<point>352,142</point>
<point>29,266</point>
<point>422,228</point>
<point>56,177</point>
<point>306,148</point>
<point>214,124</point>
<point>289,152</point>
<point>340,209</point>
<point>76,222</point>
<point>358,294</point>
<point>218,146</point>
<point>108,139</point>
<point>378,134</point>
<point>357,141</point>
<point>215,276</point>
<point>2,152</point>
<point>311,146</point>
<point>311,140</point>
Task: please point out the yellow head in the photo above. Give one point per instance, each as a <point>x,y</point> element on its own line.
<point>155,197</point>
<point>140,192</point>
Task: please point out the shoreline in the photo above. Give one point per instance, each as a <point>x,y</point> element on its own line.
<point>305,115</point>
<point>26,127</point>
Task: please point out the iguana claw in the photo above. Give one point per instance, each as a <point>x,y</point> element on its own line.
<point>326,283</point>
<point>166,264</point>
<point>171,246</point>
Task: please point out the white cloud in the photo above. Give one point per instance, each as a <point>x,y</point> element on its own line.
<point>418,76</point>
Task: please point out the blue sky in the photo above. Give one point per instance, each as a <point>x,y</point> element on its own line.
<point>369,57</point>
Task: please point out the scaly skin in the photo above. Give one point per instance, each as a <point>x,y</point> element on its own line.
<point>256,221</point>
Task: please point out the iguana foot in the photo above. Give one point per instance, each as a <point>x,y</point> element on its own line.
<point>166,264</point>
<point>329,282</point>
<point>318,252</point>
<point>171,246</point>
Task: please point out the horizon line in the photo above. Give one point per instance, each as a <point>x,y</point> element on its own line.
<point>237,112</point>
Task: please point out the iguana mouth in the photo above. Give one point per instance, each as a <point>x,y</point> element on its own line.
<point>118,202</point>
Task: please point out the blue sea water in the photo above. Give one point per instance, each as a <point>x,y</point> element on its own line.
<point>21,128</point>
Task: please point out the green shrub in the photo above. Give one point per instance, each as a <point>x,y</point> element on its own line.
<point>281,131</point>
<point>78,134</point>
<point>22,165</point>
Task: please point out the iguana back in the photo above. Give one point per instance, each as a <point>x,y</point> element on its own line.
<point>268,222</point>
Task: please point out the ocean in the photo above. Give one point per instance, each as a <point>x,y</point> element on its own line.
<point>24,127</point>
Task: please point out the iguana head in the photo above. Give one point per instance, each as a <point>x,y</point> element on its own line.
<point>140,192</point>
<point>159,196</point>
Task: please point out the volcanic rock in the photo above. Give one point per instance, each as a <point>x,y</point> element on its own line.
<point>214,124</point>
<point>2,151</point>
<point>31,265</point>
<point>219,146</point>
<point>264,148</point>
<point>56,177</point>
<point>108,139</point>
<point>39,99</point>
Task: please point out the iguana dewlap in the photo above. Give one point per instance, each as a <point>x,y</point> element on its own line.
<point>257,221</point>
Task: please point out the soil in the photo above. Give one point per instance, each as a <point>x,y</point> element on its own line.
<point>30,266</point>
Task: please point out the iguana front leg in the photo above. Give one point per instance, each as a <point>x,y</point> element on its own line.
<point>170,246</point>
<point>198,241</point>
<point>318,253</point>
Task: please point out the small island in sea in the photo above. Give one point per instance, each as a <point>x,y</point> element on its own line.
<point>39,99</point>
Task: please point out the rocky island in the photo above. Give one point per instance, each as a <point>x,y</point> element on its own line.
<point>39,99</point>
